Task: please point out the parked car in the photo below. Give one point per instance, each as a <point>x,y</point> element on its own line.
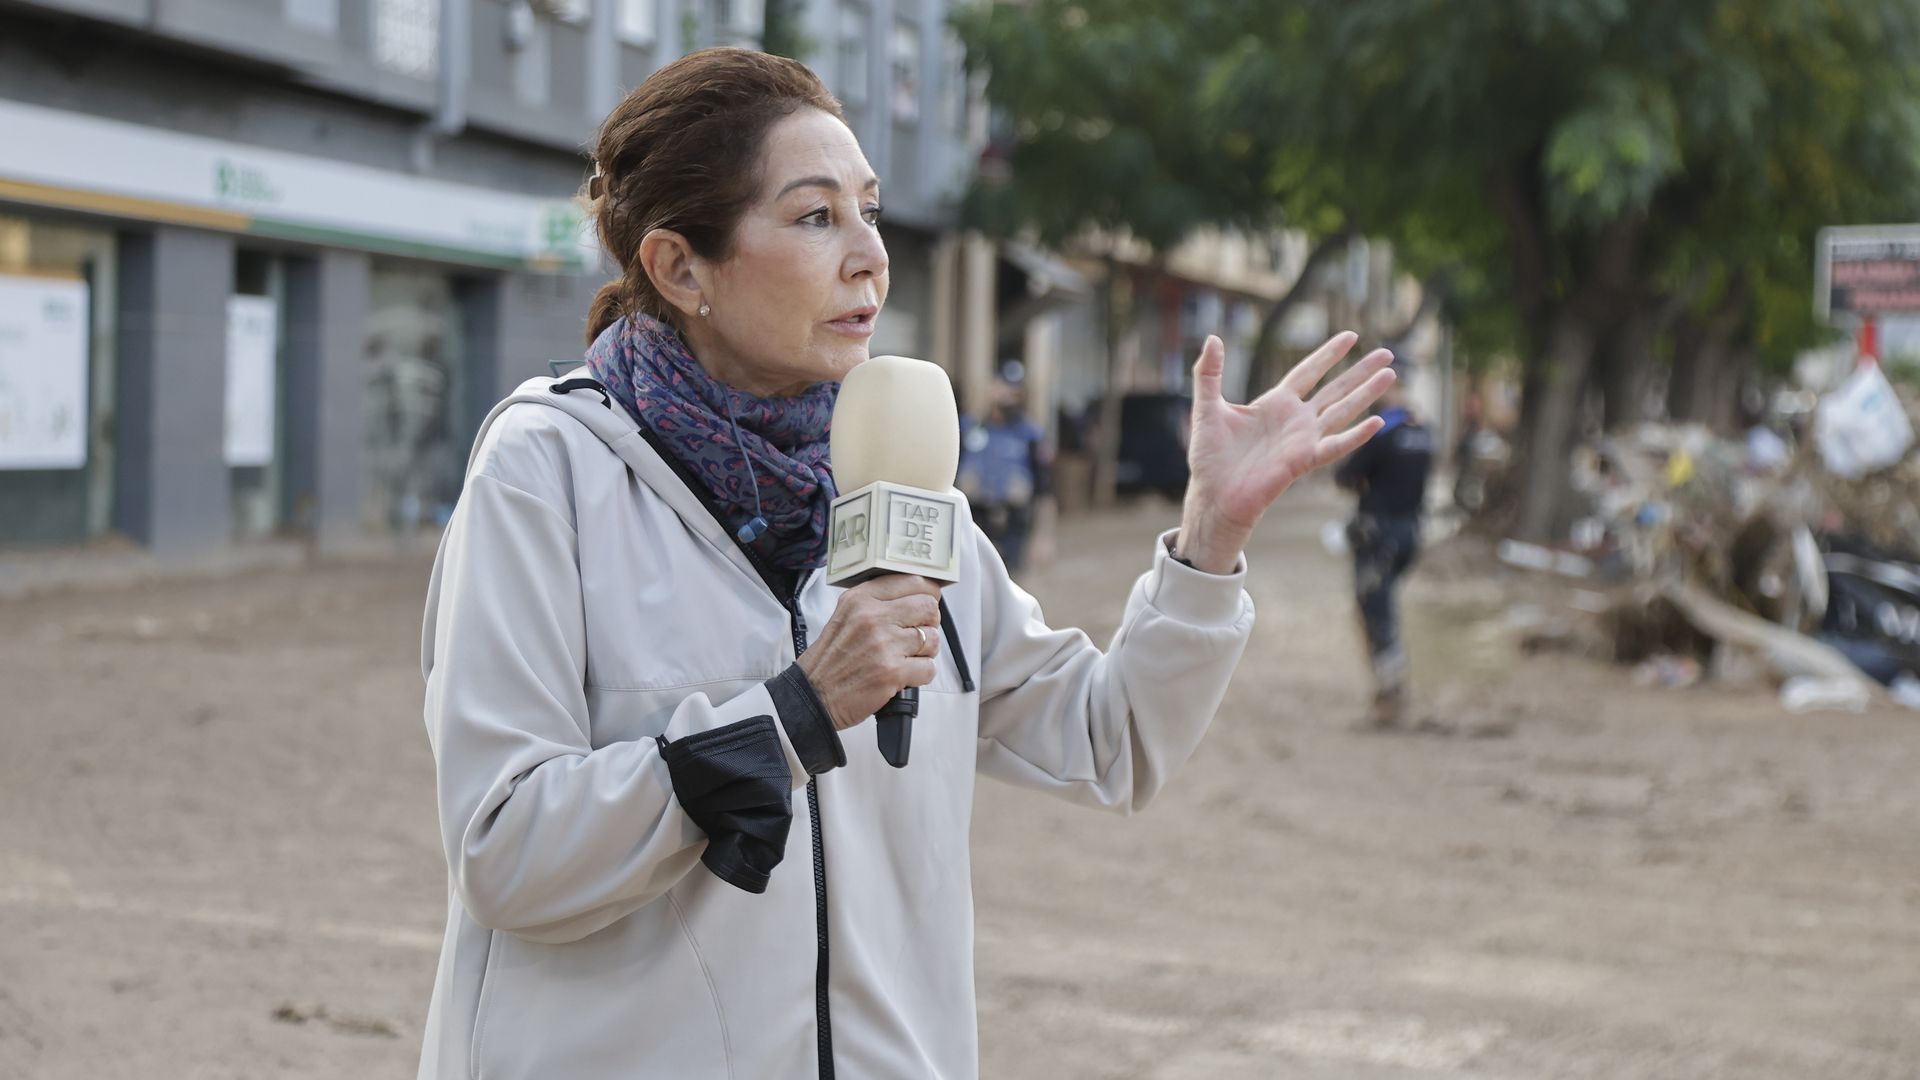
<point>1153,444</point>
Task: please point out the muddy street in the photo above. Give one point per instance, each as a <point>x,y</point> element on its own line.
<point>221,859</point>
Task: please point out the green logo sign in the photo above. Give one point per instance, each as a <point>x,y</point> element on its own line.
<point>234,182</point>
<point>560,230</point>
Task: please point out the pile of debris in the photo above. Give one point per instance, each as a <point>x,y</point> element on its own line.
<point>1790,558</point>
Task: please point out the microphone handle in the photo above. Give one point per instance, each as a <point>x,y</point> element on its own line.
<point>895,725</point>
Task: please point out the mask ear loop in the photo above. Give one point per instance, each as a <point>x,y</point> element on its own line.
<point>756,528</point>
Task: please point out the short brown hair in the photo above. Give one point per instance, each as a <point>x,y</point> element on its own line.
<point>682,152</point>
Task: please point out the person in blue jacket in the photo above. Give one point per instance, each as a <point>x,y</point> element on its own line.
<point>1389,473</point>
<point>1006,470</point>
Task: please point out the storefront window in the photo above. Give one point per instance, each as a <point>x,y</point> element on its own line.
<point>416,381</point>
<point>57,375</point>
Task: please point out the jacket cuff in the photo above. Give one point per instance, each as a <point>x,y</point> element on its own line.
<point>1192,595</point>
<point>808,725</point>
<point>734,783</point>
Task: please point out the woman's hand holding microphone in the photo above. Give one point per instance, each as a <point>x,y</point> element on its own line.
<point>884,635</point>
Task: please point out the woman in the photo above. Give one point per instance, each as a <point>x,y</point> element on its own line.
<point>632,666</point>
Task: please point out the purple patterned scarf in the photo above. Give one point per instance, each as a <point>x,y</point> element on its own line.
<point>648,369</point>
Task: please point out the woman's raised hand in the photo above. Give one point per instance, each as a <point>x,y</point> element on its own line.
<point>883,636</point>
<point>1241,457</point>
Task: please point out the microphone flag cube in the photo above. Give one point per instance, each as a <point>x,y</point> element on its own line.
<point>893,528</point>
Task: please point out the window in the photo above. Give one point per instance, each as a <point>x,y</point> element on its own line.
<point>906,72</point>
<point>532,71</point>
<point>639,21</point>
<point>405,36</point>
<point>852,67</point>
<point>739,16</point>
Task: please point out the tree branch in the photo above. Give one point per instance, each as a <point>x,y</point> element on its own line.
<point>1325,248</point>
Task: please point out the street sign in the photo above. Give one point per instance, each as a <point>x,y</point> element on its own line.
<point>1864,272</point>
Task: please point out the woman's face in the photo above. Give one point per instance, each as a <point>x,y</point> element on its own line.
<point>795,301</point>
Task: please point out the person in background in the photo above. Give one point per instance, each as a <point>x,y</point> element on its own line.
<point>1006,472</point>
<point>1389,473</point>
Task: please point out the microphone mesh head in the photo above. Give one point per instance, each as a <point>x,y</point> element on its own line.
<point>895,420</point>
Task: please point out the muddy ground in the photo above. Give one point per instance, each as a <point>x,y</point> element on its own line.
<point>219,855</point>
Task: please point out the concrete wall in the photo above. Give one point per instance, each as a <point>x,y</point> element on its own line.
<point>518,324</point>
<point>128,80</point>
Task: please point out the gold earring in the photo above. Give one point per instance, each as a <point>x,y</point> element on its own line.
<point>705,310</point>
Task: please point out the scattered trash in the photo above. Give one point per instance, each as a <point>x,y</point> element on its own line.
<point>1669,672</point>
<point>1790,549</point>
<point>1788,652</point>
<point>1734,666</point>
<point>1809,693</point>
<point>1861,428</point>
<point>1591,602</point>
<point>1534,557</point>
<point>1906,690</point>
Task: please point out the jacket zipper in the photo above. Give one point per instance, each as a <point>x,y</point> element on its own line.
<point>823,1018</point>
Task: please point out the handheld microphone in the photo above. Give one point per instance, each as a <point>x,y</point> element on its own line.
<point>895,444</point>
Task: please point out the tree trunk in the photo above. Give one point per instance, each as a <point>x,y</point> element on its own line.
<point>1548,444</point>
<point>1264,370</point>
<point>1700,359</point>
<point>1737,364</point>
<point>1689,337</point>
<point>1626,370</point>
<point>1106,442</point>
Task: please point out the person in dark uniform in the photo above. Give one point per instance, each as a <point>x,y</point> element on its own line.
<point>1390,475</point>
<point>1005,470</point>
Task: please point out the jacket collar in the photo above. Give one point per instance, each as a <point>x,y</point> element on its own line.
<point>623,436</point>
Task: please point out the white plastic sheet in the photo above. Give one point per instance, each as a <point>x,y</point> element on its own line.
<point>1861,427</point>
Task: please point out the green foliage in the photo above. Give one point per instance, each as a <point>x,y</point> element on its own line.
<point>1101,122</point>
<point>1502,141</point>
<point>1719,123</point>
<point>784,30</point>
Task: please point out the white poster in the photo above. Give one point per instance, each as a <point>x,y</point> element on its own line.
<point>43,373</point>
<point>252,333</point>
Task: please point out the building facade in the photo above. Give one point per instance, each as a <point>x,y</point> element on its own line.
<point>265,265</point>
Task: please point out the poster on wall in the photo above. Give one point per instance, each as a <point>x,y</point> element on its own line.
<point>252,337</point>
<point>43,373</point>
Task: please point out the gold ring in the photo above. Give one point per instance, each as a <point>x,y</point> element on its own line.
<point>922,631</point>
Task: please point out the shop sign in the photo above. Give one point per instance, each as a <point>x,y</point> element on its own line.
<point>81,161</point>
<point>1867,271</point>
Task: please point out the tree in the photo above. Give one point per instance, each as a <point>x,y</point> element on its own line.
<point>1650,168</point>
<point>784,30</point>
